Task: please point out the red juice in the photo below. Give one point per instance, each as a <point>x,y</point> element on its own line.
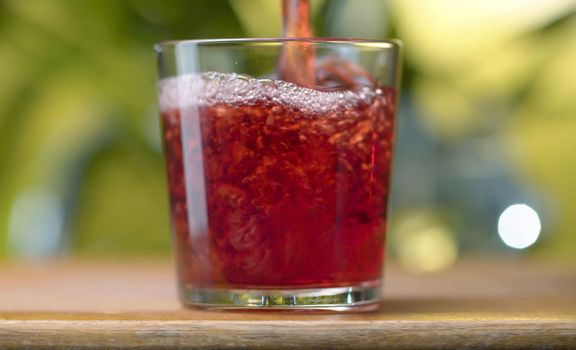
<point>275,185</point>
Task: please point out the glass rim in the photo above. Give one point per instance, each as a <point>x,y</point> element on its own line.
<point>373,43</point>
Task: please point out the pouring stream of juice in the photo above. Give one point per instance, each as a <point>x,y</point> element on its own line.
<point>297,59</point>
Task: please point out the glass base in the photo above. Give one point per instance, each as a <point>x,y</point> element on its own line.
<point>356,298</point>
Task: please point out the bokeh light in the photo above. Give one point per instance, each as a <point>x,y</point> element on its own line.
<point>424,244</point>
<point>519,226</point>
<point>36,224</point>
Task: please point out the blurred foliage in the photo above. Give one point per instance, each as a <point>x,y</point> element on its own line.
<point>501,75</point>
<point>78,112</point>
<point>78,115</point>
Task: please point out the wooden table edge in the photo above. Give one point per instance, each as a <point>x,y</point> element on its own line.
<point>356,334</point>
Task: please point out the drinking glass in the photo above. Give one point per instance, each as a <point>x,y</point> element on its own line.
<point>279,188</point>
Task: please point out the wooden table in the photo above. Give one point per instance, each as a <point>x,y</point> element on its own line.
<point>476,304</point>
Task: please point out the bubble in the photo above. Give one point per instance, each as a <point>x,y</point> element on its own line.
<point>244,77</point>
<point>239,89</point>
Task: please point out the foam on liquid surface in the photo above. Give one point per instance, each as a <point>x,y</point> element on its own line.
<point>234,89</point>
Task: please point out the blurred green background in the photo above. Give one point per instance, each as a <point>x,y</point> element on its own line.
<point>487,120</point>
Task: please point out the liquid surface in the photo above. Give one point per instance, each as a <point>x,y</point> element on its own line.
<point>272,184</point>
<point>234,89</point>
